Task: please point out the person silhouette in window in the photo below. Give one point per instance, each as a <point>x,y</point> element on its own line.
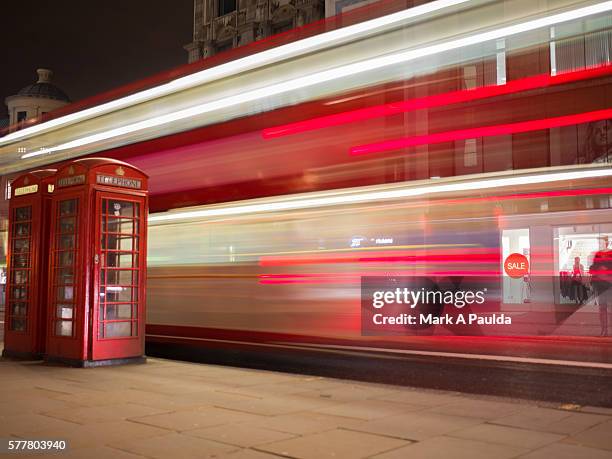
<point>601,280</point>
<point>578,287</point>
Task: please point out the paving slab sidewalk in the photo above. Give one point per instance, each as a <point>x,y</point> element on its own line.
<point>168,409</point>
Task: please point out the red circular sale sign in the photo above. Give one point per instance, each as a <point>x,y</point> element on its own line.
<point>516,265</point>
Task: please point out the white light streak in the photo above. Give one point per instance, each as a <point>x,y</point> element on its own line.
<point>267,57</point>
<point>343,197</point>
<point>332,74</point>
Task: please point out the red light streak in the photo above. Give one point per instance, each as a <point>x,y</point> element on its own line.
<point>484,131</point>
<point>355,277</point>
<point>389,256</point>
<point>541,194</point>
<point>450,98</point>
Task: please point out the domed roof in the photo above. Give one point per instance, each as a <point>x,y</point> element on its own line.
<point>43,88</point>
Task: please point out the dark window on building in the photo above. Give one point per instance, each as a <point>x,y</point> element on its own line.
<point>226,6</point>
<point>224,46</point>
<point>21,116</point>
<point>279,28</point>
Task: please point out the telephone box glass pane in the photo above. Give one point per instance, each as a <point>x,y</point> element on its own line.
<point>18,293</point>
<point>21,245</point>
<point>63,328</point>
<point>63,276</point>
<point>21,261</point>
<point>119,277</point>
<point>64,311</point>
<point>120,226</point>
<point>20,277</point>
<point>23,213</point>
<point>118,294</point>
<point>18,324</point>
<point>65,293</point>
<point>115,294</point>
<point>118,329</point>
<point>66,258</point>
<point>115,260</point>
<point>18,288</point>
<point>118,311</point>
<point>120,208</point>
<point>66,242</point>
<point>67,225</point>
<point>67,207</point>
<point>119,242</point>
<point>18,309</point>
<point>22,229</point>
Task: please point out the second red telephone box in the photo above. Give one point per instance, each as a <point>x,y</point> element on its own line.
<point>26,289</point>
<point>97,263</point>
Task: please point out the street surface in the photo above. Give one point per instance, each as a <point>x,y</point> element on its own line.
<point>168,409</point>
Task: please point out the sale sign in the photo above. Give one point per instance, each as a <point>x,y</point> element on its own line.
<point>516,265</point>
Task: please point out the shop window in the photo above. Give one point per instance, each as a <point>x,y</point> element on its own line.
<point>578,52</point>
<point>574,253</point>
<point>470,155</point>
<point>470,77</point>
<point>581,144</point>
<point>488,71</point>
<point>595,142</point>
<point>21,116</point>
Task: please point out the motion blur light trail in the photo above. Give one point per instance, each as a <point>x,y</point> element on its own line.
<point>471,255</point>
<point>356,277</point>
<point>485,131</point>
<point>363,195</point>
<point>325,76</point>
<point>310,44</point>
<point>450,98</point>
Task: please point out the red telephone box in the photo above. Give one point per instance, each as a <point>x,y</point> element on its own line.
<point>26,285</point>
<point>97,265</point>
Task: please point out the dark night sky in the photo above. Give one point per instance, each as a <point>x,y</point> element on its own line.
<point>91,46</point>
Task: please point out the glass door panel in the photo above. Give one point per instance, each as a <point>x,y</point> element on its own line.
<point>21,267</point>
<point>63,269</point>
<point>119,257</point>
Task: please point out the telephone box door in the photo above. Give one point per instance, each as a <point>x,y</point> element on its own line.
<point>26,289</point>
<point>66,315</point>
<point>119,276</point>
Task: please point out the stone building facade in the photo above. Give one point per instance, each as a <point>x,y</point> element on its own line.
<point>224,24</point>
<point>35,99</point>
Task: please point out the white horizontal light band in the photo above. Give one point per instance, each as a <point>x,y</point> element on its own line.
<point>239,65</point>
<point>328,75</point>
<point>343,197</point>
<point>332,74</point>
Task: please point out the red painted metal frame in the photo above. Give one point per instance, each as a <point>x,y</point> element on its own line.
<point>83,347</point>
<point>31,341</point>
